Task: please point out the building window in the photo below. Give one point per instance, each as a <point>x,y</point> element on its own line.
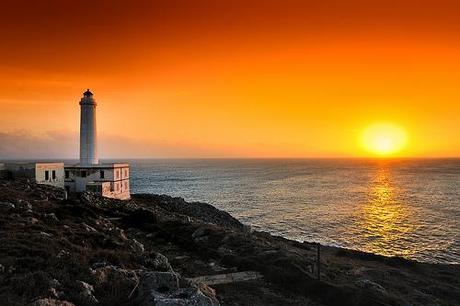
<point>83,173</point>
<point>117,174</point>
<point>116,187</point>
<point>53,174</point>
<point>126,185</point>
<point>47,175</point>
<point>102,174</point>
<point>67,174</point>
<point>126,172</point>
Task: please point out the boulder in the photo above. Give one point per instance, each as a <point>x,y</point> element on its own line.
<point>157,262</point>
<point>137,246</point>
<point>23,204</point>
<point>86,293</point>
<point>50,302</point>
<point>110,273</point>
<point>185,296</point>
<point>196,210</point>
<point>158,281</point>
<point>169,288</point>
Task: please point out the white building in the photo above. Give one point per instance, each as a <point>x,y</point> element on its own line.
<point>44,173</point>
<point>109,180</point>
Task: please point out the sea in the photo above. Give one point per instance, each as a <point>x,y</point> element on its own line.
<point>394,207</point>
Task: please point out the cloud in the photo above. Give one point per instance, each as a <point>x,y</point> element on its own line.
<point>23,144</point>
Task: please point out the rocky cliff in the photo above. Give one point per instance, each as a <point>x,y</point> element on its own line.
<point>155,250</point>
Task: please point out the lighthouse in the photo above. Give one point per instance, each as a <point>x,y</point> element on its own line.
<point>109,180</point>
<point>88,130</point>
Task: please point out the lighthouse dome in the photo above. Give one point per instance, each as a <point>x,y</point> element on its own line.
<point>87,93</point>
<point>87,98</point>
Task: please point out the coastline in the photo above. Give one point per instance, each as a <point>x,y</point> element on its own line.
<point>118,238</point>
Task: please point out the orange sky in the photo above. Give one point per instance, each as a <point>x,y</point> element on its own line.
<point>236,78</point>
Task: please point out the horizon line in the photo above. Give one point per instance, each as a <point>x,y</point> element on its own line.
<point>237,158</point>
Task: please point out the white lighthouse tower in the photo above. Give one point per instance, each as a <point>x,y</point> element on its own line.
<point>107,179</point>
<point>88,130</point>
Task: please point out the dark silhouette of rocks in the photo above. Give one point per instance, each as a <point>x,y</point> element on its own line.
<point>146,251</point>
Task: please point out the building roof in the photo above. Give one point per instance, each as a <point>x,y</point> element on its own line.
<point>99,166</point>
<point>87,93</point>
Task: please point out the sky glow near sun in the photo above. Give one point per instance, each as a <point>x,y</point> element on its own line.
<point>384,138</point>
<point>239,78</point>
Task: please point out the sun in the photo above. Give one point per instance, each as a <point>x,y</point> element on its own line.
<point>384,138</point>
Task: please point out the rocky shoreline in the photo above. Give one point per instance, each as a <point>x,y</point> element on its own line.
<point>156,250</point>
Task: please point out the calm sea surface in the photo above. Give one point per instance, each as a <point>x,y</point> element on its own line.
<point>409,208</point>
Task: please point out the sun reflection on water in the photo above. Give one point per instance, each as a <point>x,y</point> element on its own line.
<point>384,217</point>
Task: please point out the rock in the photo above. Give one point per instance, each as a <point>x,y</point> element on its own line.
<point>224,251</point>
<point>24,204</point>
<point>137,246</point>
<point>42,198</point>
<point>121,234</point>
<point>92,199</point>
<point>158,262</point>
<point>32,220</point>
<point>52,217</point>
<point>50,302</point>
<point>131,206</point>
<point>199,235</point>
<point>6,205</point>
<point>196,210</point>
<point>199,232</point>
<point>55,283</point>
<point>100,264</point>
<point>168,288</point>
<point>56,293</point>
<point>45,234</point>
<point>359,271</point>
<point>114,274</point>
<point>248,229</point>
<point>372,286</point>
<point>86,292</point>
<point>215,267</point>
<point>157,282</point>
<point>63,253</point>
<point>59,195</point>
<point>185,296</point>
<point>202,239</point>
<point>88,228</point>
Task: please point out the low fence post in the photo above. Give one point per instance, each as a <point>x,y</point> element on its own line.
<point>318,261</point>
